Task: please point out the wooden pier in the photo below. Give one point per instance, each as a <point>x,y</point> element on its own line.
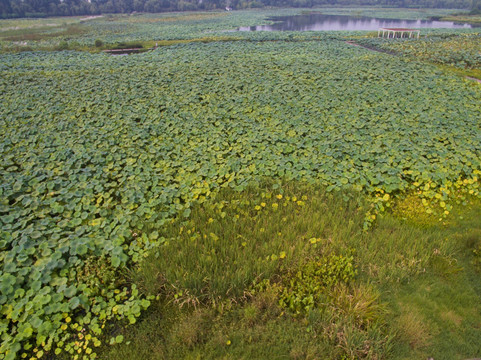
<point>125,51</point>
<point>392,33</point>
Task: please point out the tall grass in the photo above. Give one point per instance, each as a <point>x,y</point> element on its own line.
<point>227,246</point>
<point>224,278</point>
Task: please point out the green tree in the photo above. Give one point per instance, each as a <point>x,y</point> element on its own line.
<point>476,7</point>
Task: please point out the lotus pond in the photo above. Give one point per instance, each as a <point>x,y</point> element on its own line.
<point>100,153</point>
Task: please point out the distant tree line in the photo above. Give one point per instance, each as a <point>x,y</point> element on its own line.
<point>476,7</point>
<point>40,8</point>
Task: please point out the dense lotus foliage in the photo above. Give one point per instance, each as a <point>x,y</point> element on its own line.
<point>99,152</point>
<point>462,50</point>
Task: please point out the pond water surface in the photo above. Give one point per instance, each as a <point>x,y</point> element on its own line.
<point>320,22</point>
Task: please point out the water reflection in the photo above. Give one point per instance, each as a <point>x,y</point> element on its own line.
<point>319,22</point>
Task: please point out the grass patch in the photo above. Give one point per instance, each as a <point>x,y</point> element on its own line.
<point>43,33</point>
<point>470,19</point>
<point>474,73</point>
<point>187,17</point>
<point>288,273</point>
<point>227,246</point>
<point>151,44</point>
<point>127,45</point>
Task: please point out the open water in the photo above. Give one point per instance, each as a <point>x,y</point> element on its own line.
<point>320,22</point>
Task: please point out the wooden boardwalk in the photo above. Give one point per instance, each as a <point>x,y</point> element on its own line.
<point>393,33</point>
<point>125,51</point>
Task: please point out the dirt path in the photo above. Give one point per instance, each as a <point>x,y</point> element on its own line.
<point>474,79</point>
<point>370,48</point>
<point>91,17</point>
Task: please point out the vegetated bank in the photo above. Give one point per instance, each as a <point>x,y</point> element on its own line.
<point>99,149</point>
<point>286,271</point>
